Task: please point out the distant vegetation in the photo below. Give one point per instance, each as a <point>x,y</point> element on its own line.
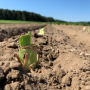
<point>76,23</point>
<point>27,17</point>
<point>18,21</point>
<point>6,14</point>
<point>72,23</point>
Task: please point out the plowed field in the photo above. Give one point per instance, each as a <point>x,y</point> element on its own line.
<point>64,61</point>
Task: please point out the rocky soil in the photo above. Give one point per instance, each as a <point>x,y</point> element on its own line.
<point>63,63</point>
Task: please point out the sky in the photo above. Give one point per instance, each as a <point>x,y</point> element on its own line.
<point>68,10</point>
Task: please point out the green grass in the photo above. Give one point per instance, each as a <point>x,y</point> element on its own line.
<point>16,21</point>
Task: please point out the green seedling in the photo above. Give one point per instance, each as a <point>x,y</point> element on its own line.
<point>88,30</point>
<point>26,40</point>
<point>28,52</point>
<point>84,28</point>
<point>41,32</point>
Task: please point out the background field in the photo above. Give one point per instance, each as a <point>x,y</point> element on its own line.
<point>16,21</point>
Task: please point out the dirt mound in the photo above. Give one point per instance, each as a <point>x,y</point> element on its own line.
<point>12,75</point>
<point>16,30</point>
<point>63,64</point>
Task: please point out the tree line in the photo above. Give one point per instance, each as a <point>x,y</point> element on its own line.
<point>6,14</point>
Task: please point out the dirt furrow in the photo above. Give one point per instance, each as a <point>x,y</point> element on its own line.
<point>63,64</point>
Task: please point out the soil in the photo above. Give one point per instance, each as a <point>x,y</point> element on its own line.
<point>63,64</point>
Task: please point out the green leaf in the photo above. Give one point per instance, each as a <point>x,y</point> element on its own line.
<point>88,30</point>
<point>84,28</point>
<point>41,31</point>
<point>26,39</point>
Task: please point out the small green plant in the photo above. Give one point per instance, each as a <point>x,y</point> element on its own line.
<point>84,28</point>
<point>41,32</point>
<point>88,30</point>
<point>27,52</point>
